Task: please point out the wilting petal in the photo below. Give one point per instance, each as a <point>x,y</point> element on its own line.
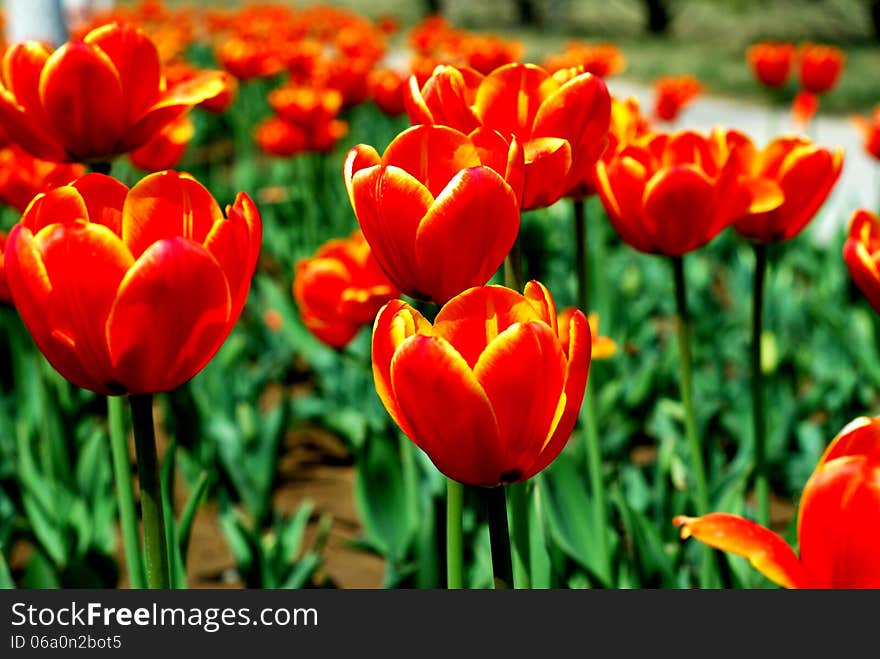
<point>837,539</point>
<point>165,205</point>
<point>466,233</point>
<point>525,414</point>
<point>170,316</point>
<point>447,411</point>
<point>136,60</point>
<point>83,99</point>
<point>766,551</point>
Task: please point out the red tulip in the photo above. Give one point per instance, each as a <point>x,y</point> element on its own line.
<point>386,90</point>
<point>861,251</point>
<point>771,62</point>
<point>166,149</point>
<point>671,194</point>
<point>280,138</point>
<point>803,108</point>
<point>672,94</point>
<point>562,126</point>
<point>94,99</point>
<point>838,522</point>
<point>22,177</point>
<point>600,59</point>
<point>820,67</point>
<point>131,291</point>
<point>439,208</point>
<point>796,176</point>
<point>340,289</point>
<point>488,391</point>
<point>870,131</point>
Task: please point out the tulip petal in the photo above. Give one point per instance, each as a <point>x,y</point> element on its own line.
<point>522,372</point>
<point>390,204</point>
<point>466,233</point>
<point>31,291</point>
<point>360,156</point>
<point>82,96</point>
<point>508,99</point>
<point>395,322</point>
<point>166,205</point>
<point>548,161</point>
<point>136,59</point>
<point>860,437</point>
<point>766,551</point>
<point>678,208</point>
<point>30,135</point>
<point>471,320</point>
<point>85,263</point>
<point>61,205</point>
<point>447,411</point>
<point>578,370</point>
<point>431,155</point>
<point>621,186</point>
<point>104,198</point>
<point>170,316</point>
<point>838,542</point>
<point>235,243</point>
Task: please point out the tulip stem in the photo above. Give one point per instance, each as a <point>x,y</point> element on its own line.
<point>762,484</point>
<point>454,536</point>
<point>513,273</point>
<point>499,536</point>
<point>125,492</point>
<point>592,447</point>
<point>156,550</point>
<point>698,469</point>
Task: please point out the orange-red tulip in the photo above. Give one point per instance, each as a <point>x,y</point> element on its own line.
<point>439,208</point>
<point>487,392</point>
<point>280,138</point>
<point>861,251</point>
<point>22,177</point>
<point>166,149</point>
<point>672,94</point>
<point>771,62</point>
<point>306,107</point>
<point>131,291</point>
<point>820,67</point>
<point>798,175</point>
<point>600,59</point>
<point>340,289</point>
<point>562,126</point>
<point>870,130</point>
<point>838,524</point>
<point>386,90</point>
<point>94,99</point>
<point>803,108</point>
<point>670,194</point>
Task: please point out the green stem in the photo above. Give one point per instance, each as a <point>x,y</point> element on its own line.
<point>454,536</point>
<point>151,493</point>
<point>518,498</point>
<point>499,536</point>
<point>125,492</point>
<point>101,167</point>
<point>592,447</point>
<point>698,469</point>
<point>762,484</point>
<point>513,274</point>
